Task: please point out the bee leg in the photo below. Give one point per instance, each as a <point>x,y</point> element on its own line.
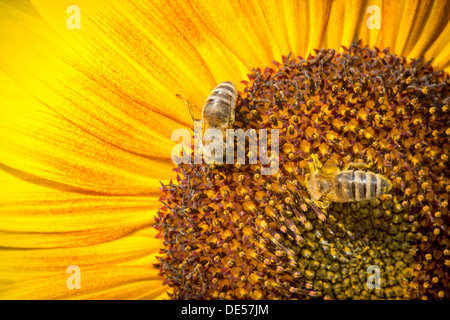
<point>190,105</point>
<point>315,164</point>
<point>315,161</point>
<point>316,209</point>
<point>232,118</point>
<point>232,112</point>
<point>323,204</point>
<point>355,165</point>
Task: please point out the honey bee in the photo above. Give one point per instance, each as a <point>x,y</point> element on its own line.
<point>219,109</point>
<point>330,184</point>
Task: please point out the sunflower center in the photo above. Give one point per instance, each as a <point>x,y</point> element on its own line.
<point>232,233</point>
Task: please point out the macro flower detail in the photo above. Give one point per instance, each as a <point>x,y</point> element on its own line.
<point>231,233</point>
<point>90,202</point>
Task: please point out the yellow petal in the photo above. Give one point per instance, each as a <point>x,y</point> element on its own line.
<point>440,49</point>
<point>130,251</point>
<point>410,24</point>
<point>371,37</point>
<point>421,28</point>
<point>354,13</point>
<point>120,95</point>
<point>335,25</point>
<point>135,50</point>
<point>35,216</point>
<point>109,282</point>
<point>298,26</point>
<point>223,35</point>
<point>343,24</point>
<point>319,12</point>
<point>391,20</point>
<point>432,26</point>
<point>38,141</point>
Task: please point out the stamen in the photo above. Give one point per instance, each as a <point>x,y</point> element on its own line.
<point>232,232</point>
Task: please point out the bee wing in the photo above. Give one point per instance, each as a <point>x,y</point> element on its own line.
<point>316,209</point>
<point>328,170</point>
<point>313,206</point>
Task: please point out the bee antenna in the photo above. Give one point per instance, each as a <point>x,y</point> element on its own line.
<point>189,104</point>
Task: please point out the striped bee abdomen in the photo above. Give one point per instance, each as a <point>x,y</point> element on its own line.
<point>220,105</point>
<point>360,185</point>
<point>225,91</point>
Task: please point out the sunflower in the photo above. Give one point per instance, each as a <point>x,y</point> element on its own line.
<point>87,116</point>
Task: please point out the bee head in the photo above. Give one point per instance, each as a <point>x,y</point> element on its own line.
<point>313,185</point>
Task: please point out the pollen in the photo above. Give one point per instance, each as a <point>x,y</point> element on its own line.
<point>231,232</point>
